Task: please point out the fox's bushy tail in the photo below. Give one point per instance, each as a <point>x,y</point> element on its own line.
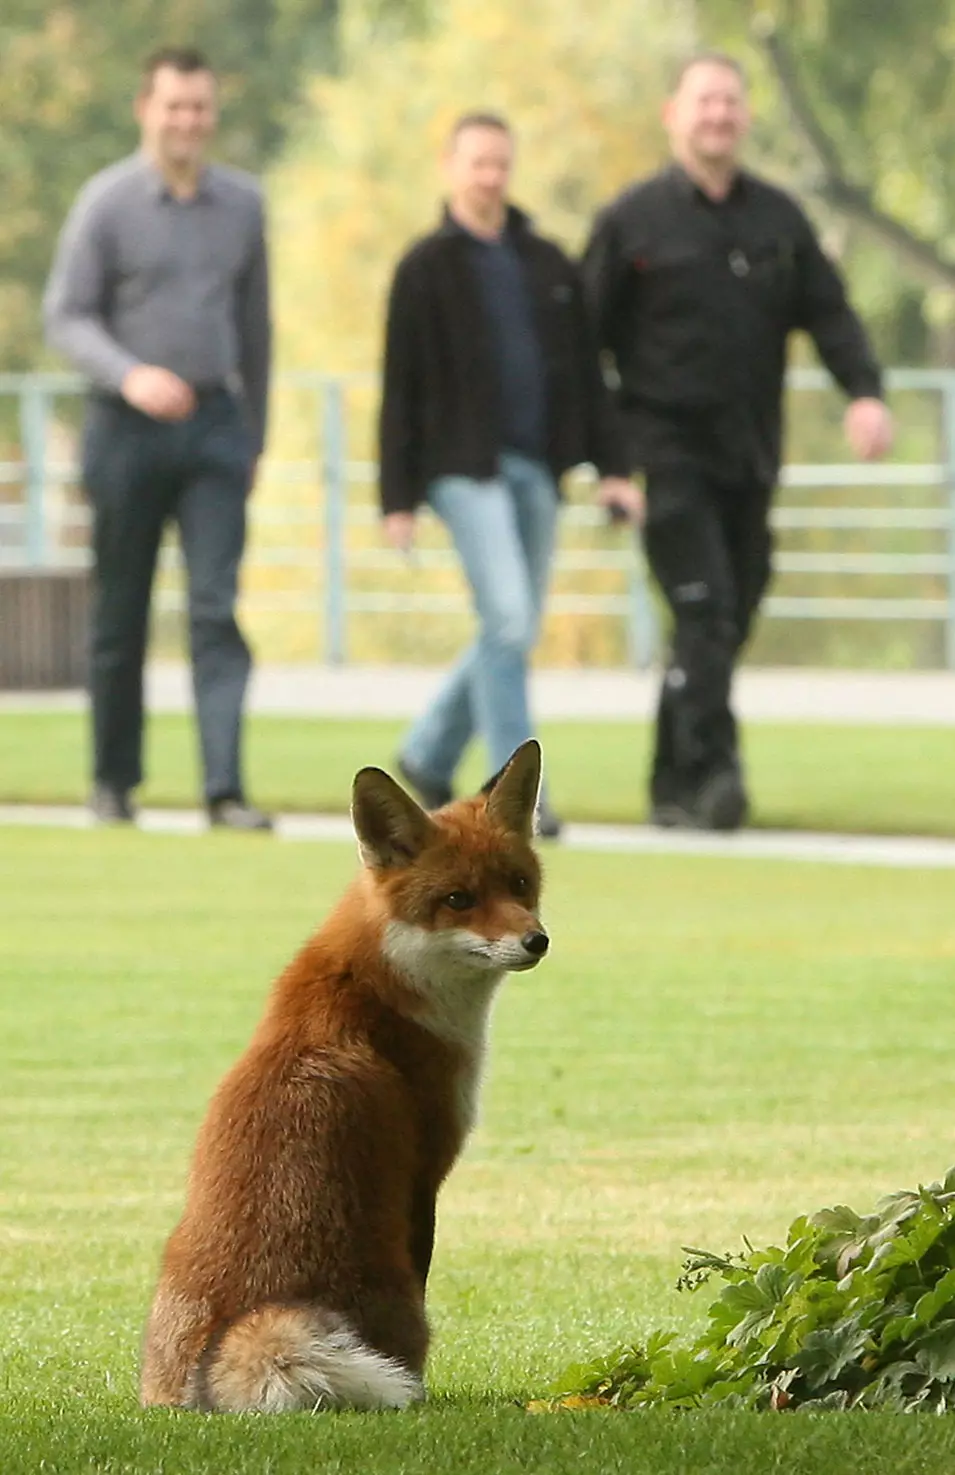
<point>285,1358</point>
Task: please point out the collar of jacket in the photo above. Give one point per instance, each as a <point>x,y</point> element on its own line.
<point>689,186</point>
<point>516,220</point>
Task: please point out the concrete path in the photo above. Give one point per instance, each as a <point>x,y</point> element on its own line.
<point>893,851</point>
<point>762,695</point>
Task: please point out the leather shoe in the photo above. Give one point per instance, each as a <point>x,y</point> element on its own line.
<point>549,824</point>
<point>668,814</point>
<point>236,814</point>
<point>112,806</point>
<point>433,793</point>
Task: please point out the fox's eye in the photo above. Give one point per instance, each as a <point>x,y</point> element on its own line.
<point>520,885</point>
<point>460,901</point>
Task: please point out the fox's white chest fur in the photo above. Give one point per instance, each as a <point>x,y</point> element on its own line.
<point>456,974</point>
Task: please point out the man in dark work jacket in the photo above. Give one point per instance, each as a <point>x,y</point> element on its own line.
<point>492,390</point>
<point>695,279</point>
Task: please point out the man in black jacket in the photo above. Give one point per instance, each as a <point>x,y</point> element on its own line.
<point>695,278</point>
<point>492,390</point>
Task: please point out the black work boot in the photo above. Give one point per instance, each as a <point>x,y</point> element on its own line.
<point>721,802</point>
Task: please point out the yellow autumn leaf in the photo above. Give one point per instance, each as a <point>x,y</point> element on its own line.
<point>575,1402</point>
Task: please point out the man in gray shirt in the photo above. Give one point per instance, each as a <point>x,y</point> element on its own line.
<point>159,295</point>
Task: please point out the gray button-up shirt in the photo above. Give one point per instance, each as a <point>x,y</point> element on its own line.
<point>143,278</point>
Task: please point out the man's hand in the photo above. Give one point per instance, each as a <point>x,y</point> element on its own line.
<point>399,530</point>
<point>623,499</point>
<point>868,428</point>
<point>158,393</point>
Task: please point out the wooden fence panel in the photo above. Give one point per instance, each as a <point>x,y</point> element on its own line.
<point>44,629</point>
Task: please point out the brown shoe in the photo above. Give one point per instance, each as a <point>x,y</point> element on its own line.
<point>549,824</point>
<point>111,806</point>
<point>433,793</point>
<point>235,814</point>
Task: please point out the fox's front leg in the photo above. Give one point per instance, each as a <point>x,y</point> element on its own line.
<point>422,1230</point>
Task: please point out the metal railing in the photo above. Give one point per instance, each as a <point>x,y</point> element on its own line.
<point>322,504</point>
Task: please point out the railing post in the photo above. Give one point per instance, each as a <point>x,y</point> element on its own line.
<point>336,490</point>
<point>643,635</point>
<point>948,453</point>
<point>34,427</point>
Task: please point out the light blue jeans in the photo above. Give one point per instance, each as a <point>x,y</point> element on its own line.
<point>504,532</point>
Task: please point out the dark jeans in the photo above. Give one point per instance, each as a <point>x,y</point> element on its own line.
<point>709,546</point>
<point>138,474</point>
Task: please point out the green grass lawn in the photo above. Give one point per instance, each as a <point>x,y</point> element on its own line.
<point>861,779</point>
<point>712,1048</point>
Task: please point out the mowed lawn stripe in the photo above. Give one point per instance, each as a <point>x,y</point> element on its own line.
<point>868,780</point>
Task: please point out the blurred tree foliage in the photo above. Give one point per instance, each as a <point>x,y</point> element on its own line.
<point>362,178</point>
<point>582,88</point>
<point>855,110</point>
<point>68,76</point>
<point>857,103</point>
<point>346,104</point>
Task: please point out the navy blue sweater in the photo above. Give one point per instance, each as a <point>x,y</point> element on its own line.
<point>515,344</point>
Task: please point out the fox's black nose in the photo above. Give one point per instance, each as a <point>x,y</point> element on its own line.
<point>536,943</point>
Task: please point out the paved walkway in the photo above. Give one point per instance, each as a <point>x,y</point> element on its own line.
<point>762,695</point>
<point>893,851</point>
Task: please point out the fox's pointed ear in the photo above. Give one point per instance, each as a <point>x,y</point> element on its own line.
<point>513,792</point>
<point>392,829</point>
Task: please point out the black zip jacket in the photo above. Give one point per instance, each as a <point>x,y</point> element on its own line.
<point>440,398</point>
<point>695,300</point>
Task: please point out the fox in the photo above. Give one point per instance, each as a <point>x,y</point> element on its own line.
<point>297,1274</point>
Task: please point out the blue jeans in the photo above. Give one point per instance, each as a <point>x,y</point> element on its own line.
<point>504,533</point>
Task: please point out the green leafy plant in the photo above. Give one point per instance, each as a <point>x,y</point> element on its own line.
<point>857,1311</point>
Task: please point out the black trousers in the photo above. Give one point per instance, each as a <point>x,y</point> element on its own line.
<point>140,473</point>
<point>709,546</point>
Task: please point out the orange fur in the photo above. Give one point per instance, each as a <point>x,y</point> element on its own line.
<point>296,1275</point>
